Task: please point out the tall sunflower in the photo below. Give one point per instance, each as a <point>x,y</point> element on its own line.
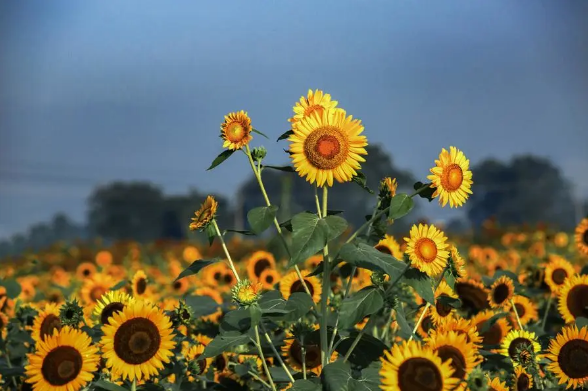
<point>204,215</point>
<point>269,277</point>
<point>258,262</point>
<point>461,326</point>
<point>495,384</point>
<point>581,236</point>
<point>236,130</point>
<point>573,298</point>
<point>327,147</point>
<point>427,248</point>
<point>411,366</point>
<point>520,346</point>
<point>568,353</point>
<point>109,303</point>
<point>501,292</point>
<point>314,102</point>
<point>557,271</point>
<point>451,178</point>
<point>291,284</point>
<point>137,341</point>
<point>64,361</point>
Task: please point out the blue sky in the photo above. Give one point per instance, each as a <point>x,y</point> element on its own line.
<point>97,91</point>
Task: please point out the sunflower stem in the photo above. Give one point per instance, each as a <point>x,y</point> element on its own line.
<point>514,308</point>
<point>259,379</point>
<point>303,351</point>
<point>134,385</point>
<point>547,308</point>
<point>261,356</point>
<point>416,327</point>
<point>326,289</point>
<point>278,357</point>
<point>226,250</point>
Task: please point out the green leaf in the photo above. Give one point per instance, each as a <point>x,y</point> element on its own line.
<point>241,232</point>
<point>309,235</point>
<point>202,305</point>
<point>210,233</point>
<point>400,206</point>
<point>367,257</point>
<point>13,288</point>
<point>298,305</point>
<point>449,301</point>
<point>238,320</point>
<point>224,155</point>
<point>103,384</point>
<point>196,266</point>
<point>285,135</point>
<point>368,349</point>
<point>12,371</point>
<point>421,283</point>
<point>258,132</point>
<point>223,343</point>
<point>337,376</point>
<point>427,192</point>
<point>272,303</point>
<point>255,313</point>
<point>405,331</point>
<point>581,322</point>
<point>336,225</point>
<point>282,168</point>
<point>359,305</point>
<point>306,385</point>
<point>370,379</point>
<point>361,180</point>
<point>119,285</point>
<point>490,322</point>
<point>261,218</point>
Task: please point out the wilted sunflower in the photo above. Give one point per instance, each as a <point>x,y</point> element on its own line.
<point>451,178</point>
<point>389,245</point>
<point>556,272</point>
<point>64,361</point>
<point>411,366</point>
<point>581,237</point>
<point>95,287</point>
<point>46,322</point>
<point>568,353</point>
<point>442,310</point>
<point>291,284</point>
<point>139,284</point>
<point>327,147</point>
<point>473,295</point>
<point>137,341</point>
<point>526,309</point>
<point>501,292</point>
<point>496,333</point>
<point>573,298</point>
<point>520,346</point>
<point>522,381</point>
<point>427,249</point>
<point>109,303</point>
<point>236,130</point>
<point>258,262</point>
<point>204,215</point>
<point>315,102</point>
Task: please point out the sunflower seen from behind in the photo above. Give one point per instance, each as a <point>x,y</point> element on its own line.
<point>427,248</point>
<point>236,130</point>
<point>568,353</point>
<point>327,147</point>
<point>64,361</point>
<point>137,341</point>
<point>451,177</point>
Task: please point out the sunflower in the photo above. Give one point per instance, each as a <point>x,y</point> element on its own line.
<point>103,258</point>
<point>109,303</point>
<point>522,381</point>
<point>454,346</point>
<point>46,322</point>
<point>292,349</point>
<point>495,384</point>
<point>473,295</point>
<point>458,263</point>
<point>556,273</point>
<point>181,286</point>
<point>426,324</point>
<point>95,287</point>
<point>568,353</point>
<point>427,249</point>
<point>191,254</point>
<point>573,298</point>
<point>389,245</point>
<point>204,215</point>
<point>411,366</point>
<point>581,237</point>
<point>520,346</point>
<point>137,341</point>
<point>139,284</point>
<point>313,262</point>
<point>213,275</point>
<point>195,367</point>
<point>441,310</point>
<point>388,187</point>
<point>269,277</point>
<point>85,270</point>
<point>214,295</point>
<point>561,239</point>
<point>236,130</point>
<point>327,147</point>
<point>496,333</point>
<point>451,178</point>
<point>64,361</point>
<point>291,284</point>
<point>258,262</point>
<point>461,326</point>
<point>315,102</point>
<point>526,309</point>
<point>501,292</point>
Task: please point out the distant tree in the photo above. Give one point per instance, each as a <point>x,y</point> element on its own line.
<point>528,189</point>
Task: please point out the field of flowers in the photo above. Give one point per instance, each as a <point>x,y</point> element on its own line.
<point>332,307</point>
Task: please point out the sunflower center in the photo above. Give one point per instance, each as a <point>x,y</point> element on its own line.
<point>585,237</point>
<point>313,109</point>
<point>518,346</point>
<point>523,382</point>
<point>442,309</point>
<point>326,148</point>
<point>269,279</point>
<point>260,266</point>
<point>97,292</point>
<point>220,362</point>
<point>458,361</point>
<point>493,336</point>
<point>235,132</point>
<point>419,374</point>
<point>141,286</point>
<point>61,365</point>
<point>577,301</point>
<point>427,324</point>
<point>383,249</point>
<point>312,356</point>
<point>500,293</point>
<point>50,323</point>
<point>217,276</point>
<point>452,177</point>
<point>559,276</point>
<point>520,310</point>
<point>109,310</point>
<point>137,340</point>
<point>473,298</point>
<point>177,285</point>
<point>426,250</point>
<point>297,287</point>
<point>228,278</point>
<point>573,358</point>
<point>86,272</point>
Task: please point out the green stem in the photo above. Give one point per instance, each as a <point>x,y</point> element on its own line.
<point>278,357</point>
<point>226,250</point>
<point>259,379</point>
<point>303,351</point>
<point>134,385</point>
<point>326,290</point>
<point>416,327</point>
<point>547,308</point>
<point>386,330</point>
<point>261,356</point>
<point>514,308</point>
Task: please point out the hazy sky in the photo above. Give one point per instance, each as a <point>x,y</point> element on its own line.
<point>96,91</point>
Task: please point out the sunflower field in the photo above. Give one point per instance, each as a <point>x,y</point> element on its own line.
<point>326,307</point>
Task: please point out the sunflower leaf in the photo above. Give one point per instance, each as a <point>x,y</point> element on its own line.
<point>337,376</point>
<point>359,305</point>
<point>405,331</point>
<point>255,313</point>
<point>298,305</point>
<point>449,301</point>
<point>261,218</point>
<point>12,287</point>
<point>427,192</point>
<point>306,385</point>
<point>400,206</point>
<point>367,257</point>
<point>337,225</point>
<point>421,284</point>
<point>241,232</point>
<point>361,180</point>
<point>285,135</point>
<point>195,267</point>
<point>107,386</point>
<point>260,133</point>
<point>281,168</point>
<point>368,349</point>
<point>224,155</point>
<point>309,235</point>
<point>120,285</point>
<point>210,233</point>
<point>223,343</point>
<point>237,320</point>
<point>202,305</point>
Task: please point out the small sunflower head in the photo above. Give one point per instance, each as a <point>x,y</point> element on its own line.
<point>204,216</point>
<point>71,313</point>
<point>477,380</point>
<point>246,292</point>
<point>387,189</point>
<point>258,153</point>
<point>183,314</point>
<point>378,278</point>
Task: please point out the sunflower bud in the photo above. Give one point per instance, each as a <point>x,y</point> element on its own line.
<point>183,314</point>
<point>388,188</point>
<point>259,153</point>
<point>26,315</point>
<point>71,314</point>
<point>477,381</point>
<point>378,278</point>
<point>246,292</point>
